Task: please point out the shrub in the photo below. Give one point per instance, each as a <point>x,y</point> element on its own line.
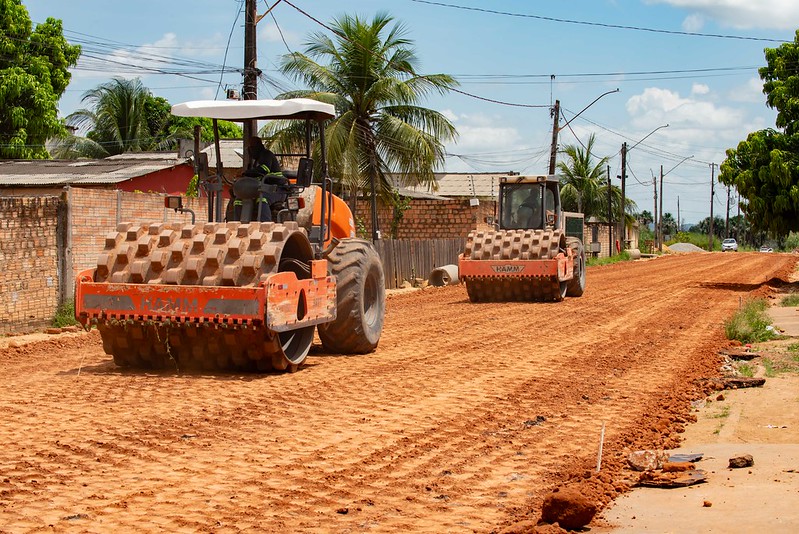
<point>65,315</point>
<point>750,323</point>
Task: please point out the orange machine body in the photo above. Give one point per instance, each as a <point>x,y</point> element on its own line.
<point>281,303</point>
<point>561,266</point>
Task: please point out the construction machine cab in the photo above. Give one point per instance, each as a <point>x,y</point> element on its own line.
<point>529,202</point>
<point>279,196</point>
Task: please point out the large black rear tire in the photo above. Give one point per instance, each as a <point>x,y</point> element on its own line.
<point>576,286</point>
<point>361,299</point>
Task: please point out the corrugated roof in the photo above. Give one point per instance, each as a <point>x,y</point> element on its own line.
<point>480,185</point>
<point>231,150</point>
<point>112,170</point>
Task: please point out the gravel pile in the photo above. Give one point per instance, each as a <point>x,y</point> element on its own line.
<point>685,247</point>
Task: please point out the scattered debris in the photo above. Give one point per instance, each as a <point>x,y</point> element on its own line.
<point>647,460</point>
<point>569,508</point>
<point>677,467</point>
<point>739,353</point>
<point>686,457</point>
<point>733,382</point>
<point>707,504</point>
<point>682,479</point>
<point>745,460</point>
<point>343,511</point>
<point>535,422</point>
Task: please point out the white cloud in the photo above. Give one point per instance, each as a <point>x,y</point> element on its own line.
<point>450,115</point>
<point>484,145</point>
<point>658,106</point>
<point>700,89</point>
<point>695,124</point>
<point>693,23</point>
<point>271,34</point>
<point>750,92</point>
<point>762,14</point>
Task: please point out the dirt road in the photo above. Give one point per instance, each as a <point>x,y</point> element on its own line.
<point>464,418</point>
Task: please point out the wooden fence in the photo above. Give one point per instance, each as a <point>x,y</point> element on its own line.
<point>406,259</point>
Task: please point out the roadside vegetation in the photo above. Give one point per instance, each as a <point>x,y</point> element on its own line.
<point>750,324</point>
<point>790,301</point>
<point>65,315</point>
<point>623,256</point>
<point>781,362</point>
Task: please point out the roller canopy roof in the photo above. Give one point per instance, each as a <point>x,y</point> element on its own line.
<point>241,110</point>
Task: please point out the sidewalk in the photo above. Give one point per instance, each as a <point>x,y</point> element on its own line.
<point>763,422</point>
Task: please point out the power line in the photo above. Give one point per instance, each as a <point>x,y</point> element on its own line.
<point>601,24</point>
<point>227,47</point>
<point>454,90</point>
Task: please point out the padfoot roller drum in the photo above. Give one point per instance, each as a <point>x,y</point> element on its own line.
<point>512,269</point>
<point>212,256</point>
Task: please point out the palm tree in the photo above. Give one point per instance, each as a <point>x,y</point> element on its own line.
<point>117,119</point>
<point>645,218</point>
<point>367,70</point>
<point>583,183</point>
<point>668,224</point>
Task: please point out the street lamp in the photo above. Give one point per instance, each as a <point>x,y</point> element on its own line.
<point>624,151</point>
<point>556,129</point>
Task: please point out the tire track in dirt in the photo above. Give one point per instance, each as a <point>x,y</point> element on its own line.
<point>435,431</point>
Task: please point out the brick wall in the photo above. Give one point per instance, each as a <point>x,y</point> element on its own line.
<point>29,281</point>
<point>429,219</point>
<point>96,212</point>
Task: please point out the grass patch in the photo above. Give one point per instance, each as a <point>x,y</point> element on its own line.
<point>722,415</point>
<point>65,315</point>
<point>749,324</point>
<point>622,256</point>
<point>777,366</point>
<point>790,301</point>
<point>746,370</point>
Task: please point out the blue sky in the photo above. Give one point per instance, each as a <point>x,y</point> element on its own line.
<point>705,88</point>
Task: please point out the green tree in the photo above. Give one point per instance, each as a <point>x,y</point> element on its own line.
<point>764,169</point>
<point>124,116</point>
<point>645,218</point>
<point>703,227</point>
<point>117,117</point>
<point>33,76</point>
<point>668,225</point>
<point>367,69</point>
<point>583,181</point>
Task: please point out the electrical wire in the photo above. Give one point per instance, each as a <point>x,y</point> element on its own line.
<point>227,46</point>
<point>453,89</point>
<point>600,24</point>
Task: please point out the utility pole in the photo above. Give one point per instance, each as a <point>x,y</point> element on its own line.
<point>251,71</point>
<point>655,208</point>
<point>712,195</point>
<point>623,233</point>
<point>660,213</point>
<point>553,154</point>
<point>727,219</point>
<point>679,223</point>
<point>610,218</point>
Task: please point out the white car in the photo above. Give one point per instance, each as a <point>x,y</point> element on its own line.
<point>729,244</point>
<point>766,248</point>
